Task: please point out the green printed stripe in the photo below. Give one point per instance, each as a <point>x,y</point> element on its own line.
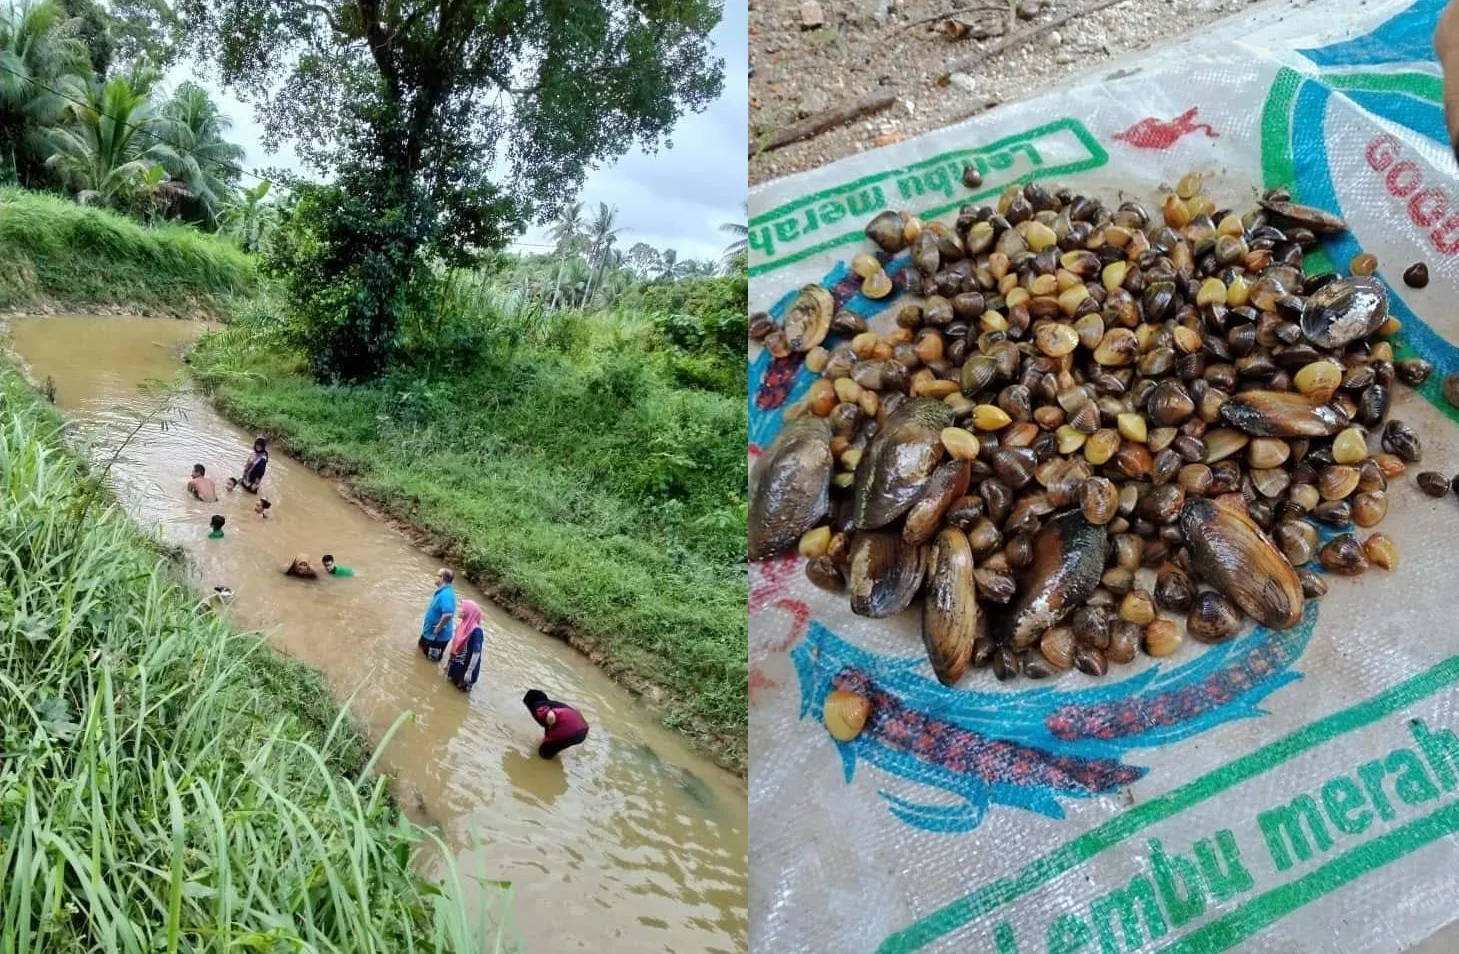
<point>1231,929</point>
<point>1276,123</point>
<point>857,234</point>
<point>1059,125</point>
<point>1070,855</point>
<point>1425,86</point>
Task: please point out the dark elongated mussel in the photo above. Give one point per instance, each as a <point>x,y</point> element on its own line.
<point>790,486</point>
<point>1323,223</point>
<point>1345,310</point>
<point>951,620</point>
<point>885,573</point>
<point>1068,558</point>
<point>899,461</point>
<point>1281,414</point>
<point>1231,553</point>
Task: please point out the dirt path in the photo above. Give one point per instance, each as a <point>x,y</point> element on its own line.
<point>862,47</point>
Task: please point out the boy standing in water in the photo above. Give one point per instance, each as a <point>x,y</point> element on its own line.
<point>435,632</point>
<point>217,525</point>
<point>335,569</point>
<point>201,486</point>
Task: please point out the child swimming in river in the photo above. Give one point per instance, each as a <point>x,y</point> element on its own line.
<point>217,525</point>
<point>262,508</point>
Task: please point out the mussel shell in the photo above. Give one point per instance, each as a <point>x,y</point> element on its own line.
<point>790,486</point>
<point>885,573</point>
<point>1230,552</point>
<point>1068,559</point>
<point>951,620</point>
<point>1345,310</point>
<point>809,318</point>
<point>948,482</point>
<point>1323,223</point>
<point>1281,414</point>
<point>899,461</point>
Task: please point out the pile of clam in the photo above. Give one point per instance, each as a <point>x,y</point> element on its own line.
<point>1087,428</point>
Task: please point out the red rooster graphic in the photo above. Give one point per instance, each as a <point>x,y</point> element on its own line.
<point>1152,133</point>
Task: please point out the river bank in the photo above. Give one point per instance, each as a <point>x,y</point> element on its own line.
<point>541,476</point>
<point>139,720</point>
<point>629,841</point>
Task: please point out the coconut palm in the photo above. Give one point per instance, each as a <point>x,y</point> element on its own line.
<point>670,268</point>
<point>36,51</point>
<point>111,139</point>
<point>601,235</point>
<point>567,234</point>
<point>736,255</point>
<point>207,163</point>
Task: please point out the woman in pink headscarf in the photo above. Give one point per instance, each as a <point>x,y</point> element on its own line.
<point>463,656</point>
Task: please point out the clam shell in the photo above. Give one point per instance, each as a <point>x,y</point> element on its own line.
<point>1068,559</point>
<point>790,487</point>
<point>809,318</point>
<point>844,714</point>
<point>951,620</point>
<point>885,574</point>
<point>1231,553</point>
<point>899,461</point>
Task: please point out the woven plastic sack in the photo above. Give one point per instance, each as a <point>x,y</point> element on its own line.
<point>1284,792</point>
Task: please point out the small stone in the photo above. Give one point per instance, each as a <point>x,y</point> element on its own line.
<point>1063,58</point>
<point>811,15</point>
<point>1053,39</point>
<point>813,101</point>
<point>963,82</point>
<point>1028,9</point>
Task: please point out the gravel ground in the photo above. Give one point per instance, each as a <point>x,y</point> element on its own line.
<point>861,47</point>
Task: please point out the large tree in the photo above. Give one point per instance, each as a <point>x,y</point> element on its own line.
<point>446,123</point>
<point>37,52</point>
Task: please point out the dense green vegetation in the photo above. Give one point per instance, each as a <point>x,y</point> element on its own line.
<point>75,121</point>
<point>559,453</point>
<point>167,784</point>
<point>53,250</point>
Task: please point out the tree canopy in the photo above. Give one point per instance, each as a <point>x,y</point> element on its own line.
<point>446,124</point>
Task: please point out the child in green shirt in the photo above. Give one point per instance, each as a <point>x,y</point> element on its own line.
<point>335,569</point>
<point>218,521</point>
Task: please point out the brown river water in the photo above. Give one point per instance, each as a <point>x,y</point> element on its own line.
<point>629,842</point>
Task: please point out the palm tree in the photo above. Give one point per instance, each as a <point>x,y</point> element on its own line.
<point>35,53</point>
<point>736,255</point>
<point>601,236</point>
<point>670,268</point>
<point>567,233</point>
<point>207,163</point>
<point>111,140</point>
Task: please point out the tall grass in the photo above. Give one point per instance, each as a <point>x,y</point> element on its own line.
<point>165,783</point>
<point>55,250</point>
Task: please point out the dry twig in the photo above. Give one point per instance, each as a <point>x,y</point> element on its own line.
<point>820,122</point>
<point>969,63</point>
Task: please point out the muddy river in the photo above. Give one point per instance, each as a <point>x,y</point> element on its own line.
<point>629,842</point>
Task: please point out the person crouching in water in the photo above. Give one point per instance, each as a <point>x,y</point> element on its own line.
<point>463,657</point>
<point>565,725</point>
<point>434,633</point>
<point>302,568</point>
<point>201,486</point>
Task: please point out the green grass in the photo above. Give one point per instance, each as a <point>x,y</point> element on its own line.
<point>563,463</point>
<point>165,783</point>
<point>59,253</point>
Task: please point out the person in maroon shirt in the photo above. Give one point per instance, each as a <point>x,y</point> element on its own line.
<point>565,725</point>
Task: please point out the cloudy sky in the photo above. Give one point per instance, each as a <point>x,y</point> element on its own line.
<point>676,198</point>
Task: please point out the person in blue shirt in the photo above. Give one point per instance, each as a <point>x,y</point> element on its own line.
<point>435,631</point>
